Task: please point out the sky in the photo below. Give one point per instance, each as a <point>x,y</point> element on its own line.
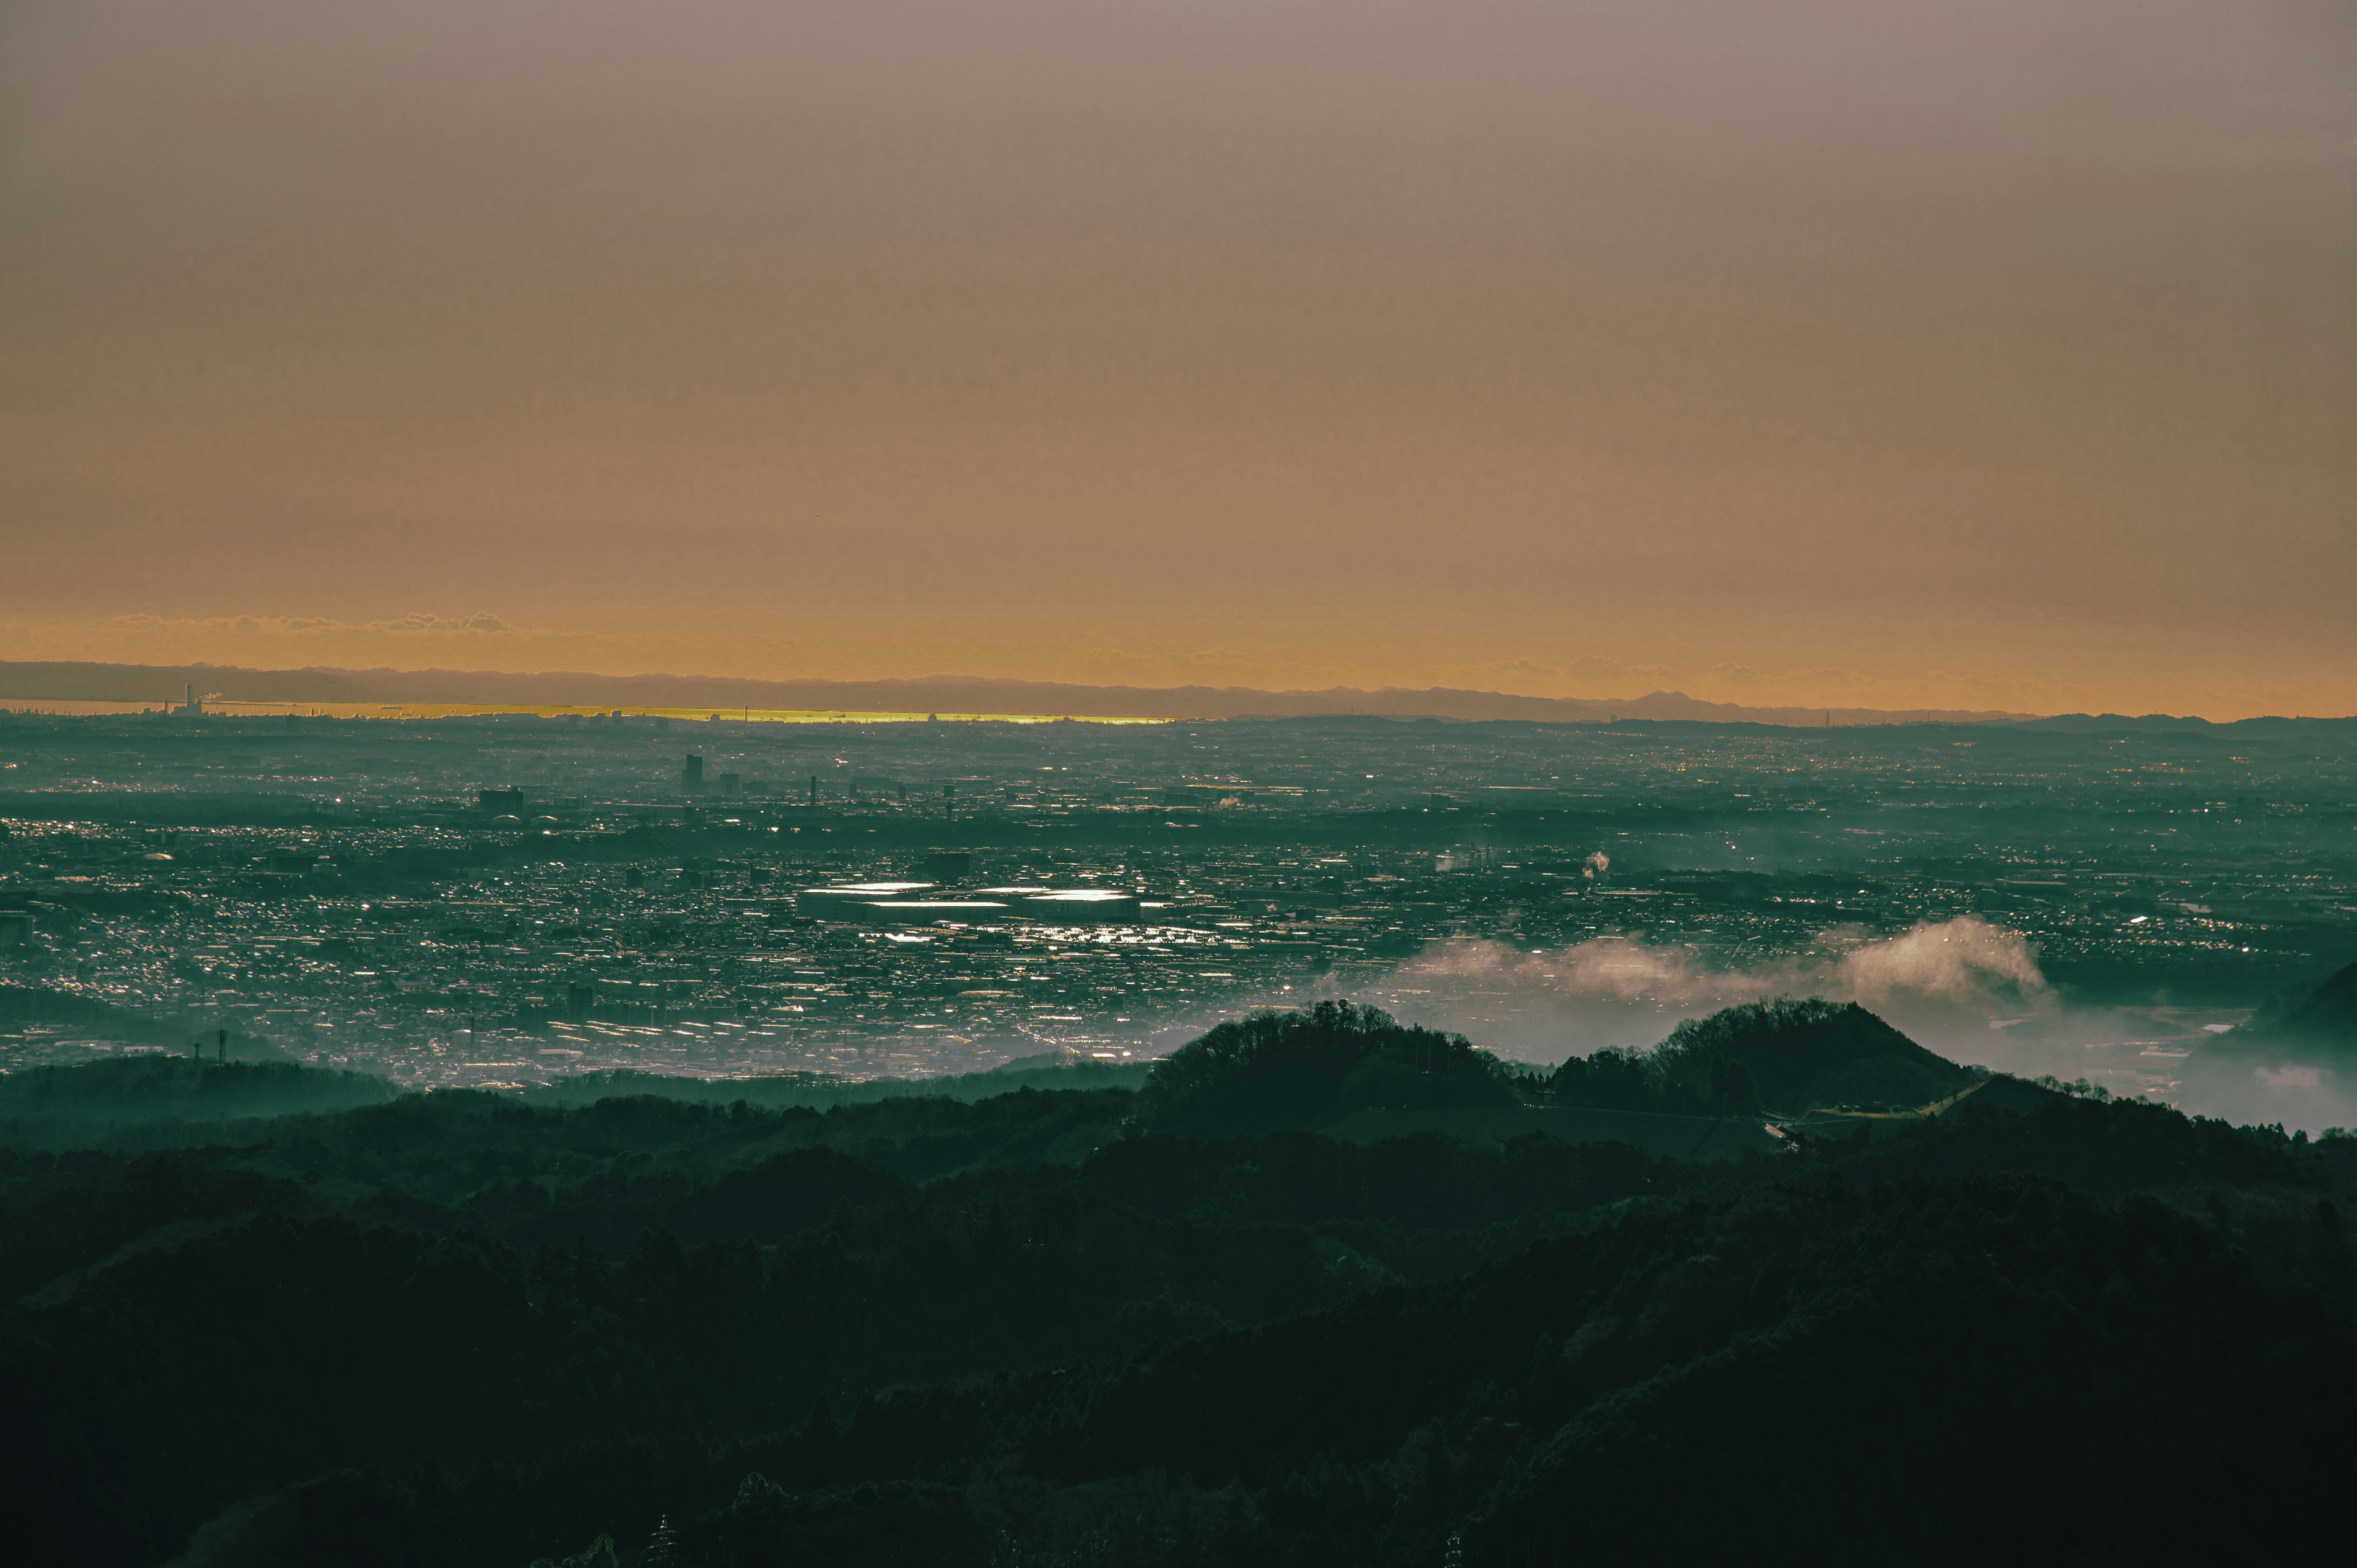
<point>1853,352</point>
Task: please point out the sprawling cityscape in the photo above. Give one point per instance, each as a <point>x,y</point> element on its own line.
<point>959,785</point>
<point>505,900</point>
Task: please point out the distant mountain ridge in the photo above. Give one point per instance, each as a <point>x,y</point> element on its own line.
<point>939,694</point>
<point>161,683</point>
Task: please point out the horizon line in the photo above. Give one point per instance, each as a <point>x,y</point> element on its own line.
<point>91,682</point>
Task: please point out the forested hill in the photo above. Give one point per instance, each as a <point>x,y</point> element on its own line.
<point>2301,1047</point>
<point>2327,1016</point>
<point>1108,1324</point>
<point>1313,1068</point>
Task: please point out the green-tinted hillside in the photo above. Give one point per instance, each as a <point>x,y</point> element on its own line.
<point>1799,1055</point>
<point>1311,1069</point>
<point>1784,1057</point>
<point>2296,1060</point>
<point>2326,1016</point>
<point>1093,1327</point>
<point>49,1104</point>
<point>777,1090</point>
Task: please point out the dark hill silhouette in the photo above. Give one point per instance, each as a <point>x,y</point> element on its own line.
<point>54,1100</point>
<point>2328,1016</point>
<point>1276,1070</point>
<point>2294,1061</point>
<point>464,1328</point>
<point>1803,1054</point>
<point>2294,1021</point>
<point>786,1193</point>
<point>1886,1389</point>
<point>1783,1056</point>
<point>1313,1068</point>
<point>822,1089</point>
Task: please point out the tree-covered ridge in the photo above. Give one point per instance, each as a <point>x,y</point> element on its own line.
<point>2325,1016</point>
<point>662,1291</point>
<point>47,1103</point>
<point>1783,1056</point>
<point>2011,1319</point>
<point>1280,1069</point>
<point>2300,1042</point>
<point>1795,1055</point>
<point>1311,1068</point>
<point>1044,1329</point>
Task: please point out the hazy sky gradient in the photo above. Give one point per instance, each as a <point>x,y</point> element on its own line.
<point>1833,351</point>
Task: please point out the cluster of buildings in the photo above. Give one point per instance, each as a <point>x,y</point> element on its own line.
<point>494,902</point>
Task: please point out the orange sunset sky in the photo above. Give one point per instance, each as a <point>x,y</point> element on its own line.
<point>1831,353</point>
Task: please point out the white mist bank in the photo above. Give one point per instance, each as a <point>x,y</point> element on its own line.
<point>1959,961</point>
<point>1965,987</point>
<point>1949,975</point>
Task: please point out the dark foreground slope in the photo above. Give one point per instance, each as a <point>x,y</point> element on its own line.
<point>1034,1330</point>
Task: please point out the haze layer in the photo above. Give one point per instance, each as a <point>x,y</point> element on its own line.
<point>1998,357</point>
